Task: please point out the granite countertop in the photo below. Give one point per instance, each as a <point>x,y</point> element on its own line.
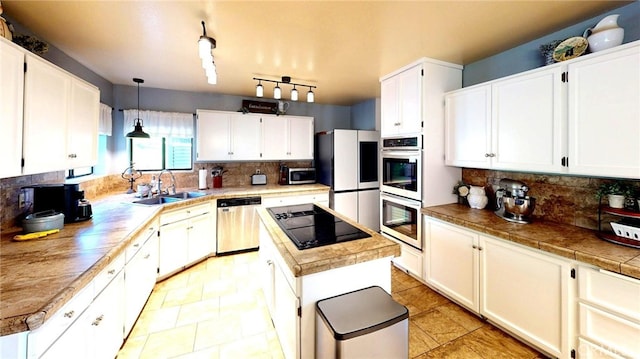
<point>37,277</point>
<point>564,240</point>
<point>319,259</point>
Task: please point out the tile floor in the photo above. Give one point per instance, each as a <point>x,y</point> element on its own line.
<point>216,309</point>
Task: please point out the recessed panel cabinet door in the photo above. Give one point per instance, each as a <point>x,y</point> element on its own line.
<point>11,104</point>
<point>275,137</point>
<point>245,137</point>
<point>604,115</point>
<point>468,127</point>
<point>46,108</point>
<point>213,135</point>
<point>527,122</point>
<point>82,134</point>
<point>301,138</point>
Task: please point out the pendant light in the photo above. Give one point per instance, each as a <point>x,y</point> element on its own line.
<point>137,127</point>
<point>310,96</point>
<point>277,92</point>
<point>294,94</point>
<point>259,89</point>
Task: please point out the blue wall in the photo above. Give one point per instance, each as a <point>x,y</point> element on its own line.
<point>527,56</point>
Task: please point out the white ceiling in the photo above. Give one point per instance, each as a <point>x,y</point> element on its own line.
<point>340,47</point>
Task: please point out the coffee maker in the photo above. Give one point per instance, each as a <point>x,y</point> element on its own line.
<point>67,199</point>
<point>512,202</point>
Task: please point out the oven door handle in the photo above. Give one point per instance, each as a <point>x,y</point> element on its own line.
<point>412,156</point>
<point>401,200</point>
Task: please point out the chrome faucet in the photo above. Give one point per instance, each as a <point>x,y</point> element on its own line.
<point>172,188</point>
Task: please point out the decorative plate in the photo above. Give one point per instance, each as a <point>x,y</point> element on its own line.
<point>570,48</point>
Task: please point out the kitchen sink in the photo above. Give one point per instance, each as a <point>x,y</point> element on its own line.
<point>185,195</point>
<point>169,198</point>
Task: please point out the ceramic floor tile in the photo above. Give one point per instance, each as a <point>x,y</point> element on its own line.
<point>170,343</point>
<point>216,309</point>
<point>438,326</point>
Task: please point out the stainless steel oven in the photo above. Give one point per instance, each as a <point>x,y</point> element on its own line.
<point>402,167</point>
<point>400,219</point>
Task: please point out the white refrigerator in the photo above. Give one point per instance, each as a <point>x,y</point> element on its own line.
<point>347,161</point>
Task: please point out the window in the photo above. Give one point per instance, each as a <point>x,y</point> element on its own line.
<point>159,153</point>
<point>171,144</point>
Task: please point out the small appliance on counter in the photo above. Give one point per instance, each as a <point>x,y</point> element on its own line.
<point>67,199</point>
<point>43,221</point>
<point>301,175</point>
<point>258,178</point>
<point>513,203</point>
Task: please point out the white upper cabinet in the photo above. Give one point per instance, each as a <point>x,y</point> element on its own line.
<point>61,114</point>
<point>604,114</point>
<point>581,116</point>
<point>11,97</point>
<point>224,136</point>
<point>527,122</point>
<point>401,102</point>
<point>82,134</point>
<point>468,127</point>
<point>231,136</point>
<point>46,109</point>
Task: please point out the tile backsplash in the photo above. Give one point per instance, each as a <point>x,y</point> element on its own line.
<point>237,174</point>
<point>564,199</point>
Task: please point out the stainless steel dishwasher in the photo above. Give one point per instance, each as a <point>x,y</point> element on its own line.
<point>237,224</point>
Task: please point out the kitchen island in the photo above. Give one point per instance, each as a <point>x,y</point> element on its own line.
<point>294,280</point>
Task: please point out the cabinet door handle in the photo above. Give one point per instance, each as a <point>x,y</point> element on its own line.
<point>136,245</point>
<point>69,314</point>
<point>147,256</point>
<point>98,320</point>
<point>269,262</point>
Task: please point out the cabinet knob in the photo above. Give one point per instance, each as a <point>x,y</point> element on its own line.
<point>98,320</point>
<point>474,246</point>
<point>112,272</point>
<point>487,155</point>
<point>69,314</point>
<point>136,245</point>
<point>269,262</point>
<point>147,256</point>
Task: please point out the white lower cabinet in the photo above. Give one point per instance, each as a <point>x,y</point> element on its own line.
<point>410,259</point>
<point>288,200</point>
<point>609,314</point>
<point>140,274</point>
<point>186,236</point>
<point>96,333</point>
<point>526,292</point>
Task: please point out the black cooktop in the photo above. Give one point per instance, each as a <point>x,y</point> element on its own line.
<point>309,226</point>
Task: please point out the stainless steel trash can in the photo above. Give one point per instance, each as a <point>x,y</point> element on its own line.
<point>365,323</point>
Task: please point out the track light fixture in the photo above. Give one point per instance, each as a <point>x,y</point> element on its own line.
<point>205,46</point>
<point>277,91</point>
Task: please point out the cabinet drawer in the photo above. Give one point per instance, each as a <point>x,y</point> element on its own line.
<point>614,333</point>
<point>40,339</point>
<point>589,350</point>
<point>107,274</point>
<point>610,291</point>
<point>140,240</point>
<point>323,198</point>
<point>185,213</point>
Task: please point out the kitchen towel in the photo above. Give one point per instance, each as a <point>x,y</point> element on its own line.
<point>202,179</point>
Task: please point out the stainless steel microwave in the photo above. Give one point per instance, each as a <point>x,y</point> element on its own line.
<point>301,175</point>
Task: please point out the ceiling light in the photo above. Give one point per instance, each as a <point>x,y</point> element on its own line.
<point>277,91</point>
<point>205,46</point>
<point>310,95</point>
<point>137,127</point>
<point>259,90</point>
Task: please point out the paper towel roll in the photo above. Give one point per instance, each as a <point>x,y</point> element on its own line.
<point>202,179</point>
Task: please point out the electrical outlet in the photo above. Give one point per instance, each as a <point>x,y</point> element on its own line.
<point>257,171</point>
<point>21,199</point>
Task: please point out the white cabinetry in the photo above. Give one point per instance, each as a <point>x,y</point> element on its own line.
<point>140,273</point>
<point>98,332</point>
<point>514,123</point>
<point>186,236</point>
<point>287,137</point>
<point>524,291</point>
<point>288,200</point>
<point>604,113</point>
<point>231,136</point>
<point>580,116</point>
<point>609,314</point>
<point>410,260</point>
<point>11,107</point>
<point>61,114</point>
<point>223,136</point>
<point>401,102</point>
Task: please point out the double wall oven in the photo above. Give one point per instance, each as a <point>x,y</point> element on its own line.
<point>401,189</point>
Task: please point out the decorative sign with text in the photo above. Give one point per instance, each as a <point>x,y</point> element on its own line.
<point>259,106</point>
